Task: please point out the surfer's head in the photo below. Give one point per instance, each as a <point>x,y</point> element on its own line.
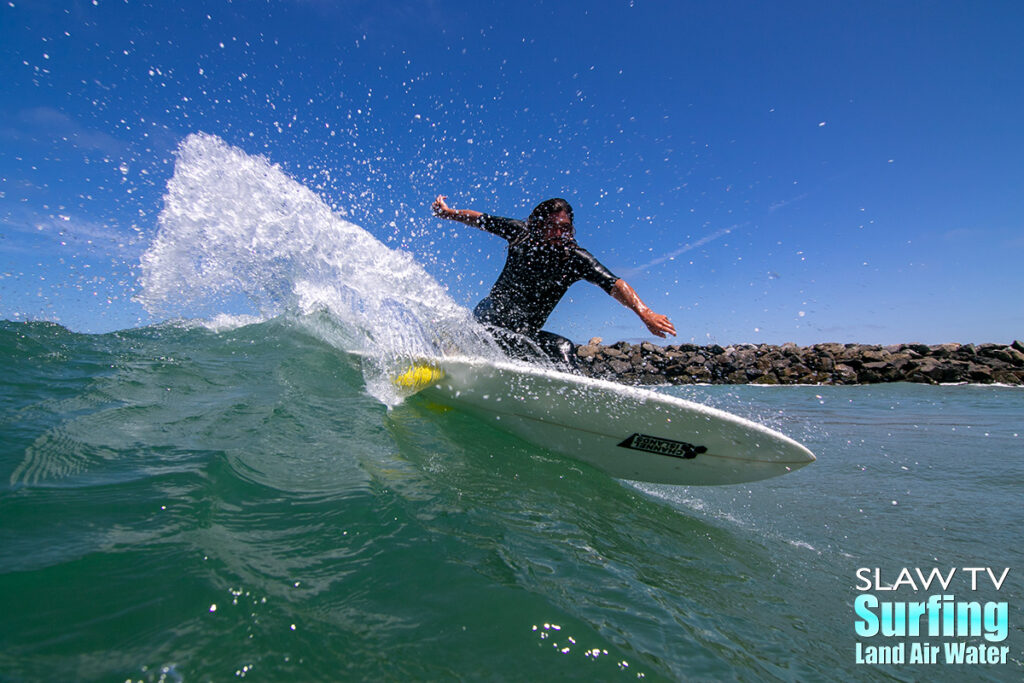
<point>553,219</point>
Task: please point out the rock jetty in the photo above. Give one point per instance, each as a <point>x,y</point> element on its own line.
<point>649,363</point>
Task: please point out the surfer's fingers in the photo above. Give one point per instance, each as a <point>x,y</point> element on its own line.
<point>661,326</point>
<point>439,207</point>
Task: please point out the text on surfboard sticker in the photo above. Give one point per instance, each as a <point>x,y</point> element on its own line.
<point>653,444</point>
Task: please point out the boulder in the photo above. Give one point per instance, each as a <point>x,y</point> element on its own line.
<point>876,371</point>
<point>1007,354</point>
<point>919,349</point>
<point>979,373</point>
<point>944,350</point>
<point>619,366</point>
<point>845,374</point>
<point>699,373</point>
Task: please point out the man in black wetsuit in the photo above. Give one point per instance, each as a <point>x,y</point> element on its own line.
<point>543,261</point>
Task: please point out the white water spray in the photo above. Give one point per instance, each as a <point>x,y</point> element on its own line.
<point>238,236</point>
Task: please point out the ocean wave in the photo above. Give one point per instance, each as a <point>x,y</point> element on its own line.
<point>238,240</point>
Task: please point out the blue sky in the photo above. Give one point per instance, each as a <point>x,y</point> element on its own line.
<point>759,172</point>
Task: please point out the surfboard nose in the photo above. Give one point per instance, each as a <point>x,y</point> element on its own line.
<point>807,452</point>
<point>792,452</point>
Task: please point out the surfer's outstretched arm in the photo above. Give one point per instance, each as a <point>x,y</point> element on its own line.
<point>658,324</point>
<point>467,216</point>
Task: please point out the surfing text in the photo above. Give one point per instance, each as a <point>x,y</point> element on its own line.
<point>972,625</point>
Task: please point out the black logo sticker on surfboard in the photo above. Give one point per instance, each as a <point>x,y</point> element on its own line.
<point>653,444</point>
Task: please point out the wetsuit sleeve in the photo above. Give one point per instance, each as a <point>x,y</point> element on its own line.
<point>591,270</point>
<point>508,228</point>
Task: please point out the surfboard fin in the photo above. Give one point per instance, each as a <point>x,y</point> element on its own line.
<point>417,377</point>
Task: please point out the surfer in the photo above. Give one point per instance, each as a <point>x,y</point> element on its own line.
<point>543,261</point>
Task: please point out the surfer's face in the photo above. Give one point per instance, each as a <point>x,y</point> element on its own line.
<point>558,227</point>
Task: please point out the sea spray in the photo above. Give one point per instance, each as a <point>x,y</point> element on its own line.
<point>238,236</point>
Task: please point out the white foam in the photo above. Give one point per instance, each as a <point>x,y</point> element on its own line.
<point>238,237</point>
<point>224,322</point>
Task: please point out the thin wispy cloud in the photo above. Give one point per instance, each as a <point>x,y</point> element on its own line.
<point>74,232</point>
<point>689,246</point>
<point>786,202</point>
<point>48,124</point>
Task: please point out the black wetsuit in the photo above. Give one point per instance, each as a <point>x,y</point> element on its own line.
<point>536,276</point>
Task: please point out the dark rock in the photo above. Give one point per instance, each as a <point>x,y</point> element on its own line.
<point>979,373</point>
<point>737,377</point>
<point>854,362</point>
<point>796,373</point>
<point>699,373</point>
<point>1006,377</point>
<point>999,353</point>
<point>753,373</point>
<point>876,371</point>
<point>651,348</point>
<point>875,355</point>
<point>790,349</point>
<point>845,374</point>
<point>936,371</point>
<point>619,366</point>
<point>831,350</point>
<point>673,370</point>
<point>944,350</point>
<point>919,349</point>
<point>826,363</point>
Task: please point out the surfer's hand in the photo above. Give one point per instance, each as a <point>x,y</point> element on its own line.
<point>659,325</point>
<point>441,209</point>
<point>467,216</point>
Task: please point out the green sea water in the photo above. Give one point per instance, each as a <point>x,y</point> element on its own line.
<point>180,503</point>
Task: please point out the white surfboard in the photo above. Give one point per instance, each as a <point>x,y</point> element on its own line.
<point>629,432</point>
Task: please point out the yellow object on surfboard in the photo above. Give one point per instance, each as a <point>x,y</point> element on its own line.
<point>418,377</point>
